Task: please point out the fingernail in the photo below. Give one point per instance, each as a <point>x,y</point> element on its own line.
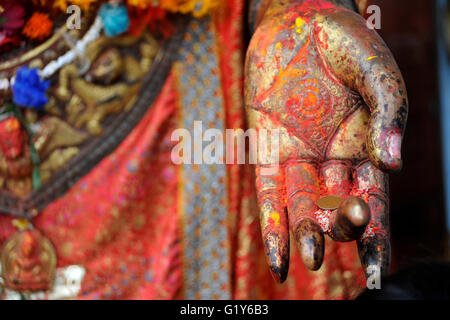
<point>375,252</point>
<point>277,255</point>
<point>356,211</point>
<point>310,243</point>
<point>394,145</point>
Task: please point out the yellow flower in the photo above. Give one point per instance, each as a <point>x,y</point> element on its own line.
<point>198,8</point>
<point>83,4</point>
<point>140,3</point>
<point>60,4</point>
<point>21,224</point>
<point>205,7</point>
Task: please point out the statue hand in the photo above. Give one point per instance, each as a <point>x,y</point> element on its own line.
<point>333,89</point>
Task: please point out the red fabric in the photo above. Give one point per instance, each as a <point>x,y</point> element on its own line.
<point>120,221</point>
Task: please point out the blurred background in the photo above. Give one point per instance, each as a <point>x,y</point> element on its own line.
<point>418,33</point>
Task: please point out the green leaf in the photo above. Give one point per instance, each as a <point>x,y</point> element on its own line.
<point>36,178</point>
<point>7,109</point>
<point>34,155</point>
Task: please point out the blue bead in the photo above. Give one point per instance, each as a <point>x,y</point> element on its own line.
<point>115,19</point>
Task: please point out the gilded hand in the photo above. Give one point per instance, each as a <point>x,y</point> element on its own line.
<point>332,87</point>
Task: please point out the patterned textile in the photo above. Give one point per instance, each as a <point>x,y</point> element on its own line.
<point>204,194</point>
<point>145,228</point>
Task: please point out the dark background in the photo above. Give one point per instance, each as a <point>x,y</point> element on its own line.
<point>418,218</point>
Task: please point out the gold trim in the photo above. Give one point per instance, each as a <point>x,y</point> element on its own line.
<point>34,52</point>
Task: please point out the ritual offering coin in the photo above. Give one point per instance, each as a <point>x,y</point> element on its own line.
<point>329,202</point>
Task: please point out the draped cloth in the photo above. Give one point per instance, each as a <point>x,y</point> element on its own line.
<point>145,228</point>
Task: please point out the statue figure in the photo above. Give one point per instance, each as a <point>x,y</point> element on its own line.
<point>28,262</point>
<point>89,164</point>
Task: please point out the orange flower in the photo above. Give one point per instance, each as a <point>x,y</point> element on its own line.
<point>38,27</point>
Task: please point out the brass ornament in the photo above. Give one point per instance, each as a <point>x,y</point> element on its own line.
<point>28,262</point>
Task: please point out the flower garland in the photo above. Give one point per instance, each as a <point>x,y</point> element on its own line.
<point>92,34</point>
<point>14,21</point>
<point>197,8</point>
<point>115,19</point>
<point>29,87</point>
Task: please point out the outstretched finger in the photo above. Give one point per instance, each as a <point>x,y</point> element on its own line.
<point>302,185</point>
<point>273,219</point>
<point>374,246</point>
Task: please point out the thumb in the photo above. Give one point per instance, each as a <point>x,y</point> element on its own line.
<point>363,62</point>
<point>384,146</point>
